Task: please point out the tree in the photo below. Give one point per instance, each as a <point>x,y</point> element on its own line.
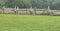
<point>19,3</point>
<point>2,3</point>
<point>42,4</point>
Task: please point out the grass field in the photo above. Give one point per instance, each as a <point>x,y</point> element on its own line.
<point>29,23</point>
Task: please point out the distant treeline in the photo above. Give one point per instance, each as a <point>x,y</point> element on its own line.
<point>42,4</point>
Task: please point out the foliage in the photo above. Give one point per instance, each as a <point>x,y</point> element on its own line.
<point>54,4</point>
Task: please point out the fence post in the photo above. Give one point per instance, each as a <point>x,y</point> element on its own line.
<point>32,11</point>
<point>3,9</point>
<point>49,11</point>
<point>15,10</point>
<point>35,10</point>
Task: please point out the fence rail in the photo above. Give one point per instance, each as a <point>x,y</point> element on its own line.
<point>27,11</point>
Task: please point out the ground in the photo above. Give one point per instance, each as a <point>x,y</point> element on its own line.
<point>10,22</point>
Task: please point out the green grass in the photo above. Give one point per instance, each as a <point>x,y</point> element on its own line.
<point>29,23</point>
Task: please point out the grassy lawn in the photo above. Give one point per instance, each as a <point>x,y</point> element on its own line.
<point>29,23</point>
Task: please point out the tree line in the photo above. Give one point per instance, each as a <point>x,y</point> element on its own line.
<point>42,4</point>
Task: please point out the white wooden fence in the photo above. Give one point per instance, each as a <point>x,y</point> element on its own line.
<point>27,11</point>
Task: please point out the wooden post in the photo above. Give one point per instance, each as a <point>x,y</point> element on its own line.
<point>17,10</point>
<point>49,11</point>
<point>32,11</point>
<point>3,9</point>
<point>35,10</point>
